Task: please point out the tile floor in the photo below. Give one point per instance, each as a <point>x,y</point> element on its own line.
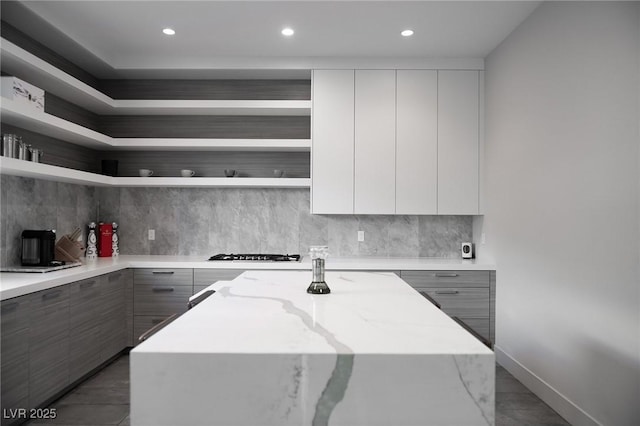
<point>103,399</point>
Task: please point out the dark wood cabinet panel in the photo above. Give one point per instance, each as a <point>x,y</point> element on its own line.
<point>84,327</point>
<point>206,126</point>
<point>211,163</point>
<point>207,89</point>
<point>467,295</point>
<point>48,344</point>
<point>113,316</point>
<point>14,333</point>
<point>445,278</point>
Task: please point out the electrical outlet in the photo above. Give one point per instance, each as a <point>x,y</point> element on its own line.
<point>482,238</point>
<point>152,234</point>
<point>360,236</point>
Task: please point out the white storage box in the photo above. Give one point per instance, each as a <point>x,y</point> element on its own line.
<point>20,91</point>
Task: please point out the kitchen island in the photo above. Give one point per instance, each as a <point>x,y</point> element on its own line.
<point>261,351</point>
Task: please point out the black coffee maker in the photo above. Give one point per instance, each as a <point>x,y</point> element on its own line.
<point>38,248</point>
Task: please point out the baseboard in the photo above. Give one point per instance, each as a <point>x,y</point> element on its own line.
<point>561,404</point>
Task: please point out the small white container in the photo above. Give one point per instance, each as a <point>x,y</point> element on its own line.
<point>22,92</point>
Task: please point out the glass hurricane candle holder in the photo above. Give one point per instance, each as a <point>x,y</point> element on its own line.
<point>318,255</point>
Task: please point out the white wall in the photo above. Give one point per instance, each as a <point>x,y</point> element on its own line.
<point>562,213</point>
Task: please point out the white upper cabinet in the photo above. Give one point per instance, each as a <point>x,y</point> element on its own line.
<point>396,142</point>
<point>458,142</point>
<point>417,142</point>
<point>375,142</point>
<point>332,154</point>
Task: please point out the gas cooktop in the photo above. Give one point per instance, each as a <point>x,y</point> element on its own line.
<point>259,257</point>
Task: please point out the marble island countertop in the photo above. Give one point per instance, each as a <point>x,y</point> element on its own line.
<point>13,284</point>
<point>261,351</point>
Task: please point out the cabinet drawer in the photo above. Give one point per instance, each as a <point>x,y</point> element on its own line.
<point>160,299</point>
<point>460,302</point>
<point>446,278</point>
<point>160,276</point>
<point>205,277</point>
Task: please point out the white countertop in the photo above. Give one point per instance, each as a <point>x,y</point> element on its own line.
<point>13,284</point>
<point>271,312</point>
<point>262,351</point>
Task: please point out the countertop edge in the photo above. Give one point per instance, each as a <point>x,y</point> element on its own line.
<point>13,284</point>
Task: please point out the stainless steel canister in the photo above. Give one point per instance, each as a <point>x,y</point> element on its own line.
<point>9,145</point>
<point>23,150</point>
<point>36,155</point>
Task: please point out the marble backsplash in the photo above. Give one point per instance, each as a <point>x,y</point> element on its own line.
<point>206,221</point>
<point>39,204</point>
<point>196,221</point>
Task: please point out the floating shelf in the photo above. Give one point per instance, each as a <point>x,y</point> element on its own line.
<point>14,167</point>
<point>38,121</point>
<point>42,74</point>
<point>185,144</point>
<point>213,182</point>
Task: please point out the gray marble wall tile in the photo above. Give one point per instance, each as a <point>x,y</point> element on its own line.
<point>440,236</point>
<point>108,208</point>
<point>38,204</point>
<point>206,221</point>
<point>194,214</point>
<point>313,229</point>
<point>404,240</point>
<point>343,235</point>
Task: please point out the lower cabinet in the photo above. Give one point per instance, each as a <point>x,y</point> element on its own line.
<point>113,321</point>
<point>48,344</point>
<point>203,278</point>
<point>14,333</point>
<point>157,294</point>
<point>466,295</point>
<point>52,338</point>
<point>84,326</point>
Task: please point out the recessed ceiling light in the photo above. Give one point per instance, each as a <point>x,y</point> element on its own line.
<point>168,31</point>
<point>407,33</point>
<point>287,32</point>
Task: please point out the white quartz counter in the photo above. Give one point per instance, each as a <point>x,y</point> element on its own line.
<point>261,351</point>
<point>17,284</point>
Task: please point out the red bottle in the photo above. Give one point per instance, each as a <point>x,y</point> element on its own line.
<point>105,233</point>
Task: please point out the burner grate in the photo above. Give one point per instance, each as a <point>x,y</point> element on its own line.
<point>258,257</point>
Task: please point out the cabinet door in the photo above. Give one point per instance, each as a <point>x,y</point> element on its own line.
<point>417,142</point>
<point>84,327</point>
<point>203,278</point>
<point>332,142</point>
<point>458,119</point>
<point>113,314</point>
<point>14,325</point>
<point>48,344</point>
<point>375,142</point>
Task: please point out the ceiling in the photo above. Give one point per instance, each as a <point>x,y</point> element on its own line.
<point>125,36</point>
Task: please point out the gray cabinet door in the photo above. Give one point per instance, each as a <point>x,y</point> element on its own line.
<point>161,291</point>
<point>157,294</point>
<point>462,294</point>
<point>113,326</point>
<point>48,344</point>
<point>84,327</point>
<point>203,278</point>
<point>14,333</point>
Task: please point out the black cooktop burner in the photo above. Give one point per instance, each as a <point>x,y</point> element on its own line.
<point>261,257</point>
